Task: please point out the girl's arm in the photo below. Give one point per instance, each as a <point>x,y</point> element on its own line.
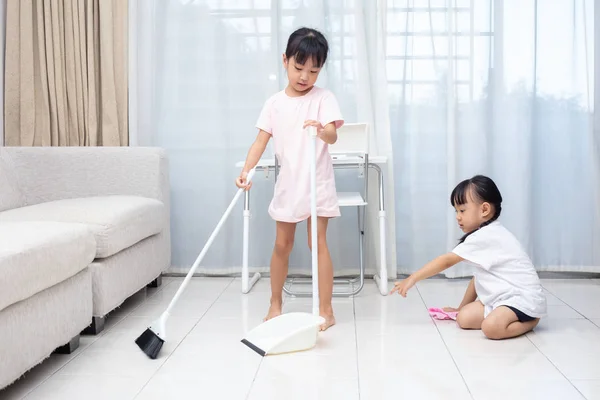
<point>430,269</point>
<point>254,154</point>
<point>470,294</point>
<point>469,297</point>
<point>327,133</point>
<point>256,150</point>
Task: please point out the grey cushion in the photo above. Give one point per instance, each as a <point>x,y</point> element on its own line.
<point>117,222</point>
<point>37,255</point>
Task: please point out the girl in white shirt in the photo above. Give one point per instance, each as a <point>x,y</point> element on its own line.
<point>505,298</point>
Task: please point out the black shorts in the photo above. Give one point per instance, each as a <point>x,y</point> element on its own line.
<point>521,315</point>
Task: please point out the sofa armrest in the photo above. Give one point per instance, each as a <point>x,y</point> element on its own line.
<point>56,173</point>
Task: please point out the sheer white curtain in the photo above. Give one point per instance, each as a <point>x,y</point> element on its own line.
<point>202,71</point>
<point>497,87</point>
<point>503,88</point>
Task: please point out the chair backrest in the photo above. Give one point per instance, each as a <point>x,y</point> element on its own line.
<point>352,139</point>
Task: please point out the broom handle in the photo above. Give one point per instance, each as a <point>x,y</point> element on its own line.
<point>313,213</point>
<point>208,244</point>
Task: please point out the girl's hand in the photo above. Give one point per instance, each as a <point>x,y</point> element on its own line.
<point>316,124</point>
<point>241,183</point>
<point>403,286</point>
<point>450,309</point>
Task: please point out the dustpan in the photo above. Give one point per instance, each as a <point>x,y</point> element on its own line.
<point>295,331</point>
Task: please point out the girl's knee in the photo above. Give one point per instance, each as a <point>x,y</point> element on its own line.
<point>321,244</point>
<point>461,320</point>
<point>492,328</point>
<point>321,240</point>
<point>283,247</point>
<point>468,320</point>
<point>464,321</point>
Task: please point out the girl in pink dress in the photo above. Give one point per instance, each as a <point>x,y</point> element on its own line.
<point>284,117</point>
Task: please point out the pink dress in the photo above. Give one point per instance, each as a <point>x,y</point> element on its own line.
<point>283,116</point>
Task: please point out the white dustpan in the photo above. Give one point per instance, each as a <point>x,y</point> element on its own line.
<point>296,331</point>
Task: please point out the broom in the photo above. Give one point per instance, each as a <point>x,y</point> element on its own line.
<point>153,338</point>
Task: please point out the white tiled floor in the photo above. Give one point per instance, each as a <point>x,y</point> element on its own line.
<point>382,347</point>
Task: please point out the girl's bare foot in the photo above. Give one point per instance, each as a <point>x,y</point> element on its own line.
<point>329,321</point>
<point>274,310</point>
<point>327,313</point>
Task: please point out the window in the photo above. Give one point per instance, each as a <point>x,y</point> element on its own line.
<point>429,40</point>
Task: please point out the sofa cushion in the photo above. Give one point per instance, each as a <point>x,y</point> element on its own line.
<point>37,255</point>
<point>10,194</point>
<point>117,222</point>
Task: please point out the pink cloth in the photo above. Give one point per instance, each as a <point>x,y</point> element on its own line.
<point>438,313</point>
<point>283,116</point>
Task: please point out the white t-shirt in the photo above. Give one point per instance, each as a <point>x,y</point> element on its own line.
<point>505,274</point>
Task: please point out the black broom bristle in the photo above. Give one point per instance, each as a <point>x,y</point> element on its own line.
<point>150,343</point>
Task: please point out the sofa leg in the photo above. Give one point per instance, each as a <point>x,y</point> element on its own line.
<point>155,283</point>
<point>69,347</point>
<point>95,327</point>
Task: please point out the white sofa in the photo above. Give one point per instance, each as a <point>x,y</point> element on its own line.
<point>81,230</point>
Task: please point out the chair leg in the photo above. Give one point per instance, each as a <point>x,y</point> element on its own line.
<point>361,253</point>
<point>360,278</point>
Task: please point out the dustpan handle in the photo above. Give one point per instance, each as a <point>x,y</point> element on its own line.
<point>313,214</point>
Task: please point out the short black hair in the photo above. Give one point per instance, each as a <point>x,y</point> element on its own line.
<point>307,43</point>
<point>481,188</point>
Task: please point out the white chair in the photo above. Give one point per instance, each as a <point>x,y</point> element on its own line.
<point>350,151</point>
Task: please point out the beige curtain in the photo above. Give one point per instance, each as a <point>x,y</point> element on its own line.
<point>66,73</point>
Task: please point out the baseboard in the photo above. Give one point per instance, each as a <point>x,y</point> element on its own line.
<point>236,272</point>
<point>557,274</point>
<point>546,272</point>
<point>570,268</point>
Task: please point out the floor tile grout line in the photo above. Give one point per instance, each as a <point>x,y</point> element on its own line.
<point>554,365</point>
<point>254,379</point>
<point>565,303</point>
<point>61,367</point>
<point>223,295</point>
<point>181,341</point>
<point>447,348</point>
<point>128,314</point>
<point>284,298</point>
<point>96,338</point>
<point>545,355</point>
<point>51,375</point>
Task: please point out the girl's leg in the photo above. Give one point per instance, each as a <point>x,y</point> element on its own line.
<point>284,242</point>
<point>471,316</point>
<point>502,323</point>
<point>325,271</point>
